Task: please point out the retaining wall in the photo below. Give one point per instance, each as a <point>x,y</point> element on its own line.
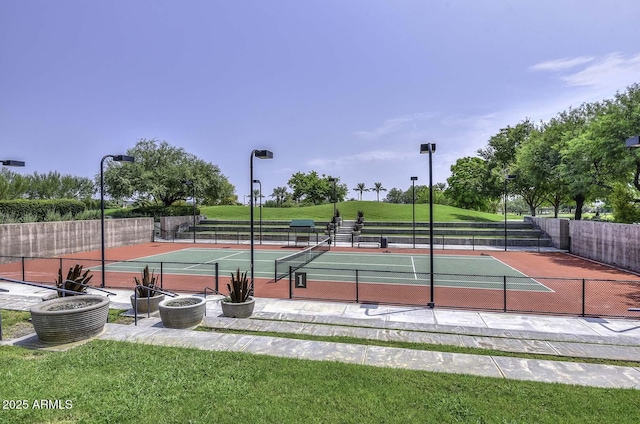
<point>59,238</point>
<point>613,244</point>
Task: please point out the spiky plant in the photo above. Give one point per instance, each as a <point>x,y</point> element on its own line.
<point>74,281</point>
<point>148,280</point>
<point>239,288</point>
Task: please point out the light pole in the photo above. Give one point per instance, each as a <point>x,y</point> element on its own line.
<point>507,177</point>
<point>260,154</point>
<point>430,148</point>
<point>116,158</point>
<point>193,188</point>
<point>413,204</point>
<point>334,219</point>
<point>260,205</point>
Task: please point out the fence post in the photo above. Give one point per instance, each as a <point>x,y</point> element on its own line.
<point>584,296</point>
<point>217,275</point>
<point>473,242</point>
<point>357,288</point>
<point>290,282</point>
<point>23,274</point>
<point>161,275</point>
<point>504,292</point>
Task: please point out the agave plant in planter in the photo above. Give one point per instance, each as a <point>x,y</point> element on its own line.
<point>70,318</point>
<point>239,303</point>
<point>76,281</point>
<point>146,299</point>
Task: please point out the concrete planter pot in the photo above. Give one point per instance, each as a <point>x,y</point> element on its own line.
<point>238,310</point>
<point>70,319</point>
<point>146,305</point>
<point>182,311</point>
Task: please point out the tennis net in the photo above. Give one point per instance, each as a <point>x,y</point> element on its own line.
<point>300,259</point>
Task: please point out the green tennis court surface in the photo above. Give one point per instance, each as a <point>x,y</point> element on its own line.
<point>449,270</point>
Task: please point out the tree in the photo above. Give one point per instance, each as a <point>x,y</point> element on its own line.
<point>312,189</point>
<point>281,195</point>
<point>12,185</point>
<point>395,195</point>
<point>377,187</point>
<point>55,186</point>
<point>466,184</point>
<point>361,188</point>
<point>158,176</point>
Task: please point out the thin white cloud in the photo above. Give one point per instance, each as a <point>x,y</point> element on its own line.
<point>613,71</point>
<point>561,64</point>
<point>361,158</point>
<point>394,125</point>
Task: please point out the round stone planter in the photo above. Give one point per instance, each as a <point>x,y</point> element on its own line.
<point>146,305</point>
<point>70,319</point>
<point>238,310</point>
<point>182,311</point>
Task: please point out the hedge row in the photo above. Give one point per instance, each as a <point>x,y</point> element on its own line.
<point>40,208</point>
<point>155,211</point>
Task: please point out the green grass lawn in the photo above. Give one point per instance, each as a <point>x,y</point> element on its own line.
<point>104,381</point>
<point>373,211</point>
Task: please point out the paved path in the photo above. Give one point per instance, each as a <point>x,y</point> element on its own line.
<point>617,339</point>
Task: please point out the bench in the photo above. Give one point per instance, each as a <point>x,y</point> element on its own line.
<point>302,239</point>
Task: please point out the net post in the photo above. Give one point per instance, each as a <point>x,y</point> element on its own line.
<point>357,287</point>
<point>504,292</point>
<point>217,276</point>
<point>290,283</point>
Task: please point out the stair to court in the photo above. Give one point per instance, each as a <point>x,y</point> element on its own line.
<point>343,235</point>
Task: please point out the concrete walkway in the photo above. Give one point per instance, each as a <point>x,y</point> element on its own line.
<point>616,339</point>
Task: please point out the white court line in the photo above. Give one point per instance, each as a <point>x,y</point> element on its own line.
<point>216,260</point>
<point>413,265</point>
<point>523,275</point>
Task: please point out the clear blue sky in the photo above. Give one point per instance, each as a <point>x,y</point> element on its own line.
<point>348,88</point>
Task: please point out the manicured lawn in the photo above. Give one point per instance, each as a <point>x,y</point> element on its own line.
<point>133,383</point>
<point>373,211</point>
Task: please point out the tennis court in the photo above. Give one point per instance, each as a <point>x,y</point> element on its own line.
<point>337,267</point>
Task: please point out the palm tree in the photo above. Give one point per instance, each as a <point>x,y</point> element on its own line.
<point>378,188</point>
<point>361,188</point>
<point>280,194</point>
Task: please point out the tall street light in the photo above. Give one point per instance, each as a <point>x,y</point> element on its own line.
<point>260,205</point>
<point>413,204</point>
<point>193,188</point>
<point>507,177</point>
<point>430,148</point>
<point>260,154</point>
<point>334,219</point>
<point>116,158</point>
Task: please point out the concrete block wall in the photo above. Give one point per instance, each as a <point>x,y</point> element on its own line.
<point>557,229</point>
<point>58,238</point>
<point>614,244</point>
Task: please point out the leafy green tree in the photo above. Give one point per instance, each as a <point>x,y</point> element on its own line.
<point>12,185</point>
<point>52,185</point>
<point>377,187</point>
<point>310,188</point>
<point>394,195</point>
<point>466,185</point>
<point>157,176</point>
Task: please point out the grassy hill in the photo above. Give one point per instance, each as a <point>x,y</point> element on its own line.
<point>373,211</point>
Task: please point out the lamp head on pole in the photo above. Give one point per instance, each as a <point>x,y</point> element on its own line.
<point>12,162</point>
<point>123,158</point>
<point>414,178</point>
<point>257,182</point>
<point>427,148</point>
<point>263,154</point>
